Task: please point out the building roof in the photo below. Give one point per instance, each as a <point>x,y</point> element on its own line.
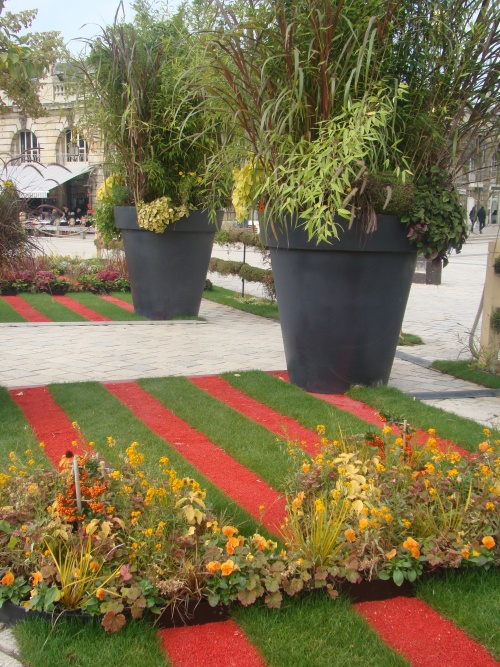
<point>34,180</point>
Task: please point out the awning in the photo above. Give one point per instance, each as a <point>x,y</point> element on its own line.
<point>35,180</point>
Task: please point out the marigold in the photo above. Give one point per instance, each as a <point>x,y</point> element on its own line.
<point>227,567</point>
<point>488,542</point>
<point>350,535</point>
<point>229,531</point>
<point>8,578</point>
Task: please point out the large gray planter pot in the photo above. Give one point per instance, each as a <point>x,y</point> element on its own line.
<point>167,271</point>
<point>342,304</point>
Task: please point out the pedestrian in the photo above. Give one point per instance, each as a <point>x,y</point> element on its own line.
<point>481,216</point>
<point>473,218</point>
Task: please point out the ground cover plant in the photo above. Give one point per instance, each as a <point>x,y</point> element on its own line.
<point>58,275</point>
<point>467,370</point>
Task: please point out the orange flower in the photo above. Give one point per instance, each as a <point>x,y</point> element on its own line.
<point>37,578</point>
<point>412,546</point>
<point>391,554</point>
<point>350,535</point>
<point>94,566</point>
<point>213,566</point>
<point>8,578</point>
<point>488,542</point>
<point>465,553</point>
<point>483,447</point>
<point>227,568</point>
<point>100,593</point>
<point>259,542</point>
<point>229,531</point>
<point>231,545</point>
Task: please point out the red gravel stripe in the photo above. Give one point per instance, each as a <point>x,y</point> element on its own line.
<point>118,302</point>
<point>212,645</point>
<point>49,422</point>
<point>283,426</point>
<point>88,313</point>
<point>239,483</point>
<point>24,309</point>
<point>422,636</point>
<point>370,414</point>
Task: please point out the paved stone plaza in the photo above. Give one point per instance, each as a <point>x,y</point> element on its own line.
<point>230,340</point>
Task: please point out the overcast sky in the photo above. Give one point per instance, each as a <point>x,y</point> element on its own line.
<point>69,16</point>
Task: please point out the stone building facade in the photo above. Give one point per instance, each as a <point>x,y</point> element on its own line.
<point>52,139</point>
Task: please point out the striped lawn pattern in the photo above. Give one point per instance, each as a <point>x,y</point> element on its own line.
<point>409,626</point>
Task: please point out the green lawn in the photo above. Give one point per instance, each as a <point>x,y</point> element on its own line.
<point>462,369</point>
<point>308,631</point>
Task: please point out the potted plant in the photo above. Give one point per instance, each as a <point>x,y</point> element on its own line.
<point>357,127</point>
<point>156,156</point>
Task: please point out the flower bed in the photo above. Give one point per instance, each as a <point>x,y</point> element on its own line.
<point>136,540</point>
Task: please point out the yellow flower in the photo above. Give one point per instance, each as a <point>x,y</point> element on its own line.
<point>453,472</point>
<point>320,429</point>
<point>41,445</point>
<point>319,506</point>
<point>386,430</point>
<point>249,558</point>
<point>406,523</point>
<point>487,432</point>
<point>306,467</point>
<point>363,524</point>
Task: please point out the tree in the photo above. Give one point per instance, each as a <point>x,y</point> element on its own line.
<point>24,59</point>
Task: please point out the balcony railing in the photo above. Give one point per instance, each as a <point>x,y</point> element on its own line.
<point>30,155</point>
<point>63,158</point>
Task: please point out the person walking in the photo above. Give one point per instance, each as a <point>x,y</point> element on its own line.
<point>481,216</point>
<point>472,218</point>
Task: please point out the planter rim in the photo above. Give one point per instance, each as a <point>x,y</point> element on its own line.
<point>289,234</point>
<point>197,221</point>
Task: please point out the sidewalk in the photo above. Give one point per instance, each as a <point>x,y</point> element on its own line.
<point>231,340</point>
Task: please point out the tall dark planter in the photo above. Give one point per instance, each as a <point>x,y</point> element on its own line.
<point>342,304</point>
<point>167,271</point>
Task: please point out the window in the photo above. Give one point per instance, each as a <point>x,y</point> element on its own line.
<point>76,147</point>
<point>29,150</point>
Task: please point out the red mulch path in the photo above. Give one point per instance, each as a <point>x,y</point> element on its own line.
<point>49,422</point>
<point>239,483</point>
<point>283,426</point>
<point>118,302</point>
<point>24,309</point>
<point>369,414</point>
<point>212,645</point>
<point>422,636</point>
<point>88,313</point>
